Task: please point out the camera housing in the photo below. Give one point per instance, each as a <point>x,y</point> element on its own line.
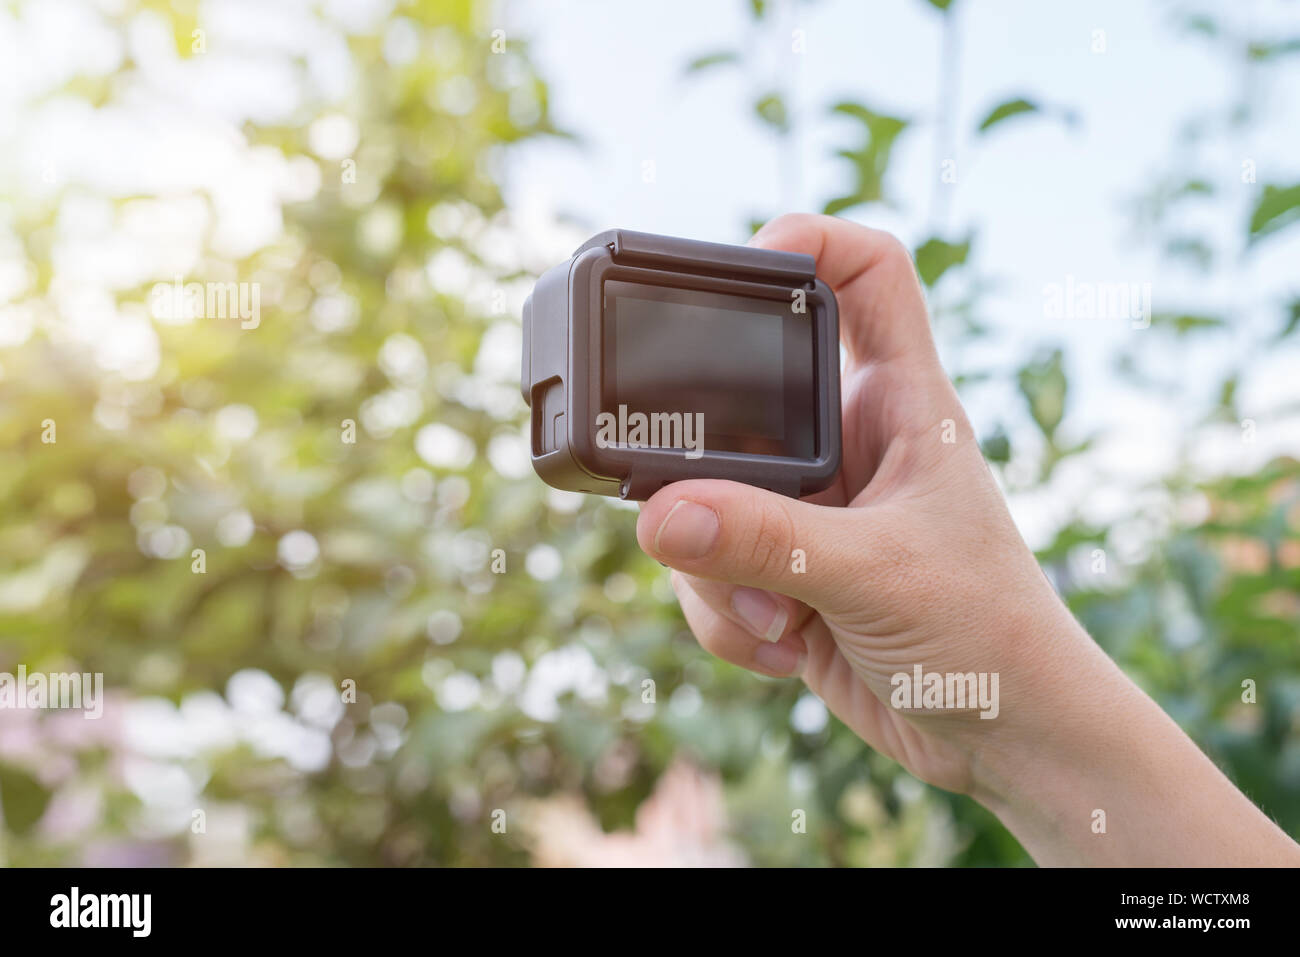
<point>732,350</point>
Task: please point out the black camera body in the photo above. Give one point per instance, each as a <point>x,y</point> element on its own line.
<point>649,359</point>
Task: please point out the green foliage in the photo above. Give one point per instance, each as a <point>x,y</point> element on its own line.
<point>771,110</point>
<point>22,799</point>
<point>1292,319</point>
<point>1261,51</point>
<point>997,448</point>
<point>709,60</point>
<point>1043,384</point>
<point>1005,111</point>
<point>869,161</point>
<point>1277,208</point>
<point>935,256</point>
<point>1183,323</point>
<point>1021,107</point>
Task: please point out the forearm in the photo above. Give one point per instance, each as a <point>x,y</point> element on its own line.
<point>1102,776</point>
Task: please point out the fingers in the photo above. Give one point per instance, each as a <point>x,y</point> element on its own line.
<point>809,652</point>
<point>763,614</point>
<point>882,310</point>
<point>725,639</point>
<point>817,660</point>
<point>735,533</point>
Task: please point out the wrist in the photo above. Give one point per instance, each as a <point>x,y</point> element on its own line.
<point>1089,770</point>
<point>1039,772</point>
<point>1056,685</point>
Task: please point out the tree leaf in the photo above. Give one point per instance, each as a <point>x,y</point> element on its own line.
<point>942,5</point>
<point>870,161</point>
<point>1278,208</point>
<point>771,110</point>
<point>936,256</point>
<point>1043,384</point>
<point>1006,110</point>
<point>1259,51</point>
<point>709,60</point>
<point>22,798</point>
<point>1184,323</point>
<point>1228,394</point>
<point>1292,319</point>
<point>997,447</point>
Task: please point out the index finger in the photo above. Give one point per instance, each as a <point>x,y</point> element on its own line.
<point>882,310</point>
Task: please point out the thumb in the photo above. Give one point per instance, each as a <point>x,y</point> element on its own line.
<point>749,536</point>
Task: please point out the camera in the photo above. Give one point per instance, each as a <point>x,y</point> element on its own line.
<point>649,359</point>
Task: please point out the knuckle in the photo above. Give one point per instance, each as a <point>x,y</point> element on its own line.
<point>894,254</point>
<point>767,548</point>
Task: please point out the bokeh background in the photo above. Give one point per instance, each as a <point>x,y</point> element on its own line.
<point>340,620</point>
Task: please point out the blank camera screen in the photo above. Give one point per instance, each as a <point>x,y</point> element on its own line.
<point>745,365</point>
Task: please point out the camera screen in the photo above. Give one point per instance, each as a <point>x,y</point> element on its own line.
<point>741,367</point>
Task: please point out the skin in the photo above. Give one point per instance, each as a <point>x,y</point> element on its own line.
<point>912,558</point>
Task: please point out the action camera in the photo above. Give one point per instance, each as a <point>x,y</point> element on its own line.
<point>649,359</point>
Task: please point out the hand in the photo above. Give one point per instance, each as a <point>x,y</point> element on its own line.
<point>890,567</point>
<point>912,559</point>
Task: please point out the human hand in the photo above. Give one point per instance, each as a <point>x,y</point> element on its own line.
<point>912,559</point>
<point>890,567</point>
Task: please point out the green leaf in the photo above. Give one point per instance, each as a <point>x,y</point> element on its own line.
<point>1292,319</point>
<point>1228,394</point>
<point>940,4</point>
<point>709,60</point>
<point>22,798</point>
<point>1006,110</point>
<point>757,8</point>
<point>1183,323</point>
<point>771,110</point>
<point>1278,208</point>
<point>1043,384</point>
<point>936,256</point>
<point>870,161</point>
<point>997,447</point>
<point>1260,51</point>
